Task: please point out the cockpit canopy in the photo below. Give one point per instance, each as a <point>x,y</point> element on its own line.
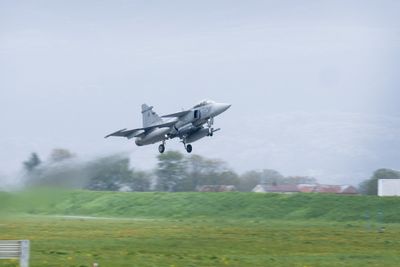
<point>204,103</point>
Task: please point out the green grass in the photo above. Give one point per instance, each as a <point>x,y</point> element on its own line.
<point>201,229</point>
<point>190,205</point>
<point>162,242</point>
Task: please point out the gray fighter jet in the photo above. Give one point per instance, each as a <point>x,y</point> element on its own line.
<point>188,125</point>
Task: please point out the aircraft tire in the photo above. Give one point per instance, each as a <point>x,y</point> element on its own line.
<point>189,148</point>
<point>161,148</point>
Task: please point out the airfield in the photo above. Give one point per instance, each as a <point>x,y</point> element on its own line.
<point>79,228</point>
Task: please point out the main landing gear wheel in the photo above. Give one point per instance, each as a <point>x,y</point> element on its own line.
<point>210,131</point>
<point>188,148</point>
<point>161,148</point>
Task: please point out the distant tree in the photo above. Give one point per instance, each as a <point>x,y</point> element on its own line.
<point>249,180</point>
<point>63,174</point>
<point>370,186</point>
<point>196,169</point>
<point>227,177</point>
<point>109,173</point>
<point>32,163</point>
<point>138,182</point>
<point>203,171</point>
<point>171,171</point>
<point>300,180</point>
<point>60,154</point>
<point>273,177</point>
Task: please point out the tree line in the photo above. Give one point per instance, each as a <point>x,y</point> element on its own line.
<point>174,172</point>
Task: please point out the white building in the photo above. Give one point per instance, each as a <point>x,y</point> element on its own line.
<point>388,187</point>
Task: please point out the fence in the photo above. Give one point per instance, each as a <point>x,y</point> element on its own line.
<point>15,249</point>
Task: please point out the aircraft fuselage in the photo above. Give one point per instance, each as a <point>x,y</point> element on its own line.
<point>187,125</point>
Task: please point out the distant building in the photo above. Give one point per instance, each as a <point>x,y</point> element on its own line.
<point>216,188</point>
<point>388,187</point>
<point>305,188</point>
<point>336,189</point>
<point>285,188</point>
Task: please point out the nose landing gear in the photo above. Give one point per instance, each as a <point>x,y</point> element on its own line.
<point>161,147</point>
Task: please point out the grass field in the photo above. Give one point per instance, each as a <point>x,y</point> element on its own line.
<point>208,231</point>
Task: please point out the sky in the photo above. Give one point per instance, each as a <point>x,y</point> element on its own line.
<point>314,85</point>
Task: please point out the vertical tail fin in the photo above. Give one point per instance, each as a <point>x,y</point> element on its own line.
<point>149,116</point>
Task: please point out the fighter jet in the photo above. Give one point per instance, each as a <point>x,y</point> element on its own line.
<point>187,125</point>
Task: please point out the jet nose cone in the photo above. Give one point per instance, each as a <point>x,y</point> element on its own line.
<point>221,107</point>
<point>225,106</point>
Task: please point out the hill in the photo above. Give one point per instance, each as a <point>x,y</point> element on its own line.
<point>231,205</point>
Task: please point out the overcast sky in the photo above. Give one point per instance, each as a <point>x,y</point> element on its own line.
<point>314,85</point>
